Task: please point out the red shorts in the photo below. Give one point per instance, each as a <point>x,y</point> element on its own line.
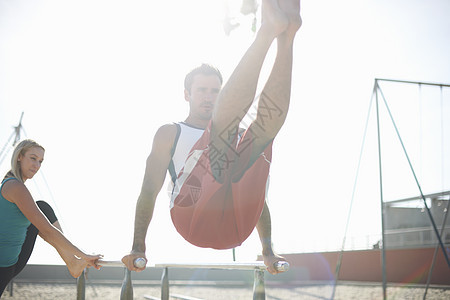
<point>217,215</point>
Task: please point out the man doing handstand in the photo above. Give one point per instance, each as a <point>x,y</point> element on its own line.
<point>219,190</point>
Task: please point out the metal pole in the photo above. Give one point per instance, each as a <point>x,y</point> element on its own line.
<point>383,243</point>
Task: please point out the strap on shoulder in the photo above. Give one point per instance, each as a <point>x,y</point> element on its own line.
<point>171,168</point>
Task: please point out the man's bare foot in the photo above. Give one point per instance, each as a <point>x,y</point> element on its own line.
<point>292,10</point>
<point>274,19</point>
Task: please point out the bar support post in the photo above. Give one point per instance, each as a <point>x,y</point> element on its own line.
<point>127,287</point>
<point>259,292</point>
<point>11,287</point>
<point>81,286</point>
<point>165,284</point>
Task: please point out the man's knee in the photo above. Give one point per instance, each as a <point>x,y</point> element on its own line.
<point>47,210</point>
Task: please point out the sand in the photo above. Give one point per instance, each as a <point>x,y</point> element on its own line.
<point>51,291</point>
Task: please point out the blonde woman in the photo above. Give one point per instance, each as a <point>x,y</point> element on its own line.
<point>22,219</point>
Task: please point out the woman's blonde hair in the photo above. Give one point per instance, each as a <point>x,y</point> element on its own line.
<point>20,149</point>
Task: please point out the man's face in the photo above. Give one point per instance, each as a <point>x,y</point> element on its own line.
<point>203,95</point>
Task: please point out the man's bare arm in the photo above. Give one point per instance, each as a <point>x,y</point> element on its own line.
<point>264,227</point>
<point>155,174</point>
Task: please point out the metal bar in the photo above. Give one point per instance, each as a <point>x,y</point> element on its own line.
<point>110,263</point>
<point>138,262</point>
<point>233,266</point>
<point>280,266</point>
<point>258,265</point>
<point>413,82</point>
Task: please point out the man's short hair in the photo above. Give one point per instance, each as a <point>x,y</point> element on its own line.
<point>205,69</point>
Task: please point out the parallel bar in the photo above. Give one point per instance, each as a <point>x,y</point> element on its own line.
<point>127,286</point>
<point>138,262</point>
<point>110,263</point>
<point>258,265</point>
<point>226,266</point>
<point>280,266</point>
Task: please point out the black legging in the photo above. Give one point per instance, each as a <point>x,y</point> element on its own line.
<point>8,273</point>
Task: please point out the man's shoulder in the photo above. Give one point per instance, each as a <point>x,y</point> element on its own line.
<point>168,128</point>
<point>165,135</point>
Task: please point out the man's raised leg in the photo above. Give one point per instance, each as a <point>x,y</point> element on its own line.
<point>239,92</point>
<point>274,100</point>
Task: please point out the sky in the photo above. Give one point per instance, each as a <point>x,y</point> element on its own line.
<point>96,79</point>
